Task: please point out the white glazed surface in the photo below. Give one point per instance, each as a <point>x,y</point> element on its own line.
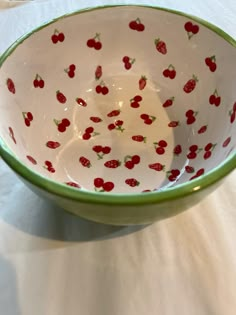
<point>75,161</point>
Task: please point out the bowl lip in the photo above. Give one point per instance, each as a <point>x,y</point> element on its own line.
<point>84,196</point>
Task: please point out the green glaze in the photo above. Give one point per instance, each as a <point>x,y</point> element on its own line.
<point>120,208</point>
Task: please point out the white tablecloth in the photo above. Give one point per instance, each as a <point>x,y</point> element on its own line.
<point>52,263</point>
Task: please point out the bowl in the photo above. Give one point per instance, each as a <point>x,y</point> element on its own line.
<point>120,114</point>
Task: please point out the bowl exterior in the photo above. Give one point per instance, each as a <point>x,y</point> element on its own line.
<point>124,215</point>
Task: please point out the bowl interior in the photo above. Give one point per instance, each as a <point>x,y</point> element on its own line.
<point>123,99</point>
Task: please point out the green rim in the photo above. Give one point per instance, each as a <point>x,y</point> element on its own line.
<point>64,191</point>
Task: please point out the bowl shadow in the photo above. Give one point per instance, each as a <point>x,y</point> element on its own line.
<point>39,217</point>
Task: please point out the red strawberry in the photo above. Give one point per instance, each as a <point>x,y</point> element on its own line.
<point>98,72</point>
<point>11,86</point>
<point>142,82</point>
<point>81,102</point>
<point>173,124</point>
<point>178,149</point>
<point>139,138</point>
<point>113,113</point>
<point>112,163</point>
<point>189,169</point>
<point>157,167</point>
<point>95,119</point>
<point>73,184</point>
<point>53,144</point>
<point>85,162</point>
<point>190,84</point>
<point>61,97</point>
<point>202,129</point>
<point>31,159</point>
<point>132,182</point>
<point>160,46</point>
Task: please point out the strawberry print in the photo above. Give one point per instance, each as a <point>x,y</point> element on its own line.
<point>169,72</point>
<point>142,82</point>
<point>191,116</point>
<point>168,102</point>
<point>203,129</point>
<point>101,88</point>
<point>193,151</point>
<point>70,71</point>
<point>173,124</point>
<point>137,25</point>
<point>61,97</point>
<point>139,138</point>
<point>95,42</point>
<point>191,29</point>
<point>135,101</point>
<point>117,125</point>
<point>62,124</point>
<point>226,142</point>
<point>11,86</point>
<point>177,150</point>
<point>208,150</point>
<point>112,164</point>
<point>189,169</point>
<point>38,82</point>
<point>132,182</point>
<point>11,133</point>
<point>190,84</point>
<point>31,159</point>
<point>114,113</point>
<point>99,183</point>
<point>73,184</point>
<point>211,63</point>
<point>28,118</point>
<point>57,37</point>
<point>49,167</point>
<point>157,167</point>
<point>101,151</point>
<point>81,102</point>
<point>98,72</point>
<point>160,46</point>
<point>199,173</point>
<point>173,174</point>
<point>215,99</point>
<point>89,132</point>
<point>128,62</point>
<point>53,144</point>
<point>85,162</point>
<point>95,119</point>
<point>147,119</point>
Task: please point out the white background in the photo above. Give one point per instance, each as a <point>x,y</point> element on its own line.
<point>52,263</point>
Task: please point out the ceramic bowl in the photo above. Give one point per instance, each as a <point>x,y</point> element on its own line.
<point>121,114</point>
